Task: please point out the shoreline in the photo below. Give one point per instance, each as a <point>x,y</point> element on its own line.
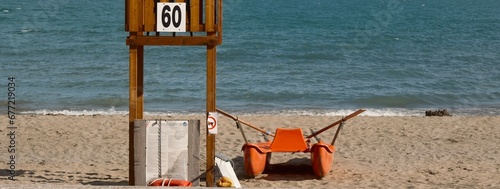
<point>371,151</point>
<point>374,112</point>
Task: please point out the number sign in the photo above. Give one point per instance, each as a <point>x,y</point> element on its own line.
<point>171,17</point>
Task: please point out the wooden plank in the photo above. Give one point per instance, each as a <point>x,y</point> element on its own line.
<point>135,16</point>
<point>132,19</point>
<point>210,15</point>
<point>140,15</point>
<point>194,152</point>
<point>201,27</point>
<point>149,16</point>
<point>200,18</point>
<point>169,40</point>
<point>211,107</point>
<point>194,17</point>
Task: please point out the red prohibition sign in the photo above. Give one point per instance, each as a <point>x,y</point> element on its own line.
<point>211,122</point>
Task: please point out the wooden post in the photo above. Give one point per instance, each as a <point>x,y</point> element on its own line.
<point>211,88</point>
<point>136,99</point>
<point>134,24</point>
<point>132,109</point>
<point>211,107</point>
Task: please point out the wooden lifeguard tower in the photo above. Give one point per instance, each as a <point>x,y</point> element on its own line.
<point>175,23</point>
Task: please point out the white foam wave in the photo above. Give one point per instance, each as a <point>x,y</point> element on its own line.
<point>339,112</point>
<point>110,111</point>
<point>344,112</point>
<point>182,113</point>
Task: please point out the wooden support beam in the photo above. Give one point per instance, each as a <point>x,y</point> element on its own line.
<point>211,107</point>
<point>136,100</point>
<point>170,40</point>
<point>132,110</point>
<point>149,16</point>
<point>219,22</point>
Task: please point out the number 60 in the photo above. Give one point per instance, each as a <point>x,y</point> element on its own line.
<point>171,17</point>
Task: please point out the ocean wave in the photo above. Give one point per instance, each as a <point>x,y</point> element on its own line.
<point>340,112</point>
<point>111,111</point>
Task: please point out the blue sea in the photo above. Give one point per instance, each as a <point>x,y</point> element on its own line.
<point>318,57</point>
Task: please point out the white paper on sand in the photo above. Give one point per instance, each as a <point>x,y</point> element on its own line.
<point>173,154</point>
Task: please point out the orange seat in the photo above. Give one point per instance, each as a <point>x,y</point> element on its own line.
<point>289,140</point>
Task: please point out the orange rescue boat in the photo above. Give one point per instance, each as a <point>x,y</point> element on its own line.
<point>257,155</point>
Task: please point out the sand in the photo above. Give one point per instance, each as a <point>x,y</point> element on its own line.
<point>382,152</point>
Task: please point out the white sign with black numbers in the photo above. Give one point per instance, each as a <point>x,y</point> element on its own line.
<point>171,17</point>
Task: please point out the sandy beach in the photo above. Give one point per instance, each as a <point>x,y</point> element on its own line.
<point>381,152</point>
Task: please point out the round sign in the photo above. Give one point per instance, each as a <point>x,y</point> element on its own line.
<point>211,122</point>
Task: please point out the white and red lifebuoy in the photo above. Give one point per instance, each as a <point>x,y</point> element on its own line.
<point>169,182</point>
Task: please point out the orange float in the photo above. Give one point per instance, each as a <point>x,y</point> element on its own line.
<point>322,158</point>
<point>257,155</point>
<point>255,158</point>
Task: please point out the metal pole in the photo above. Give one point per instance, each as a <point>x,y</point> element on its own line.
<point>337,132</point>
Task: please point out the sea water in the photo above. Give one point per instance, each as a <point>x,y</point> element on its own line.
<point>392,57</point>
